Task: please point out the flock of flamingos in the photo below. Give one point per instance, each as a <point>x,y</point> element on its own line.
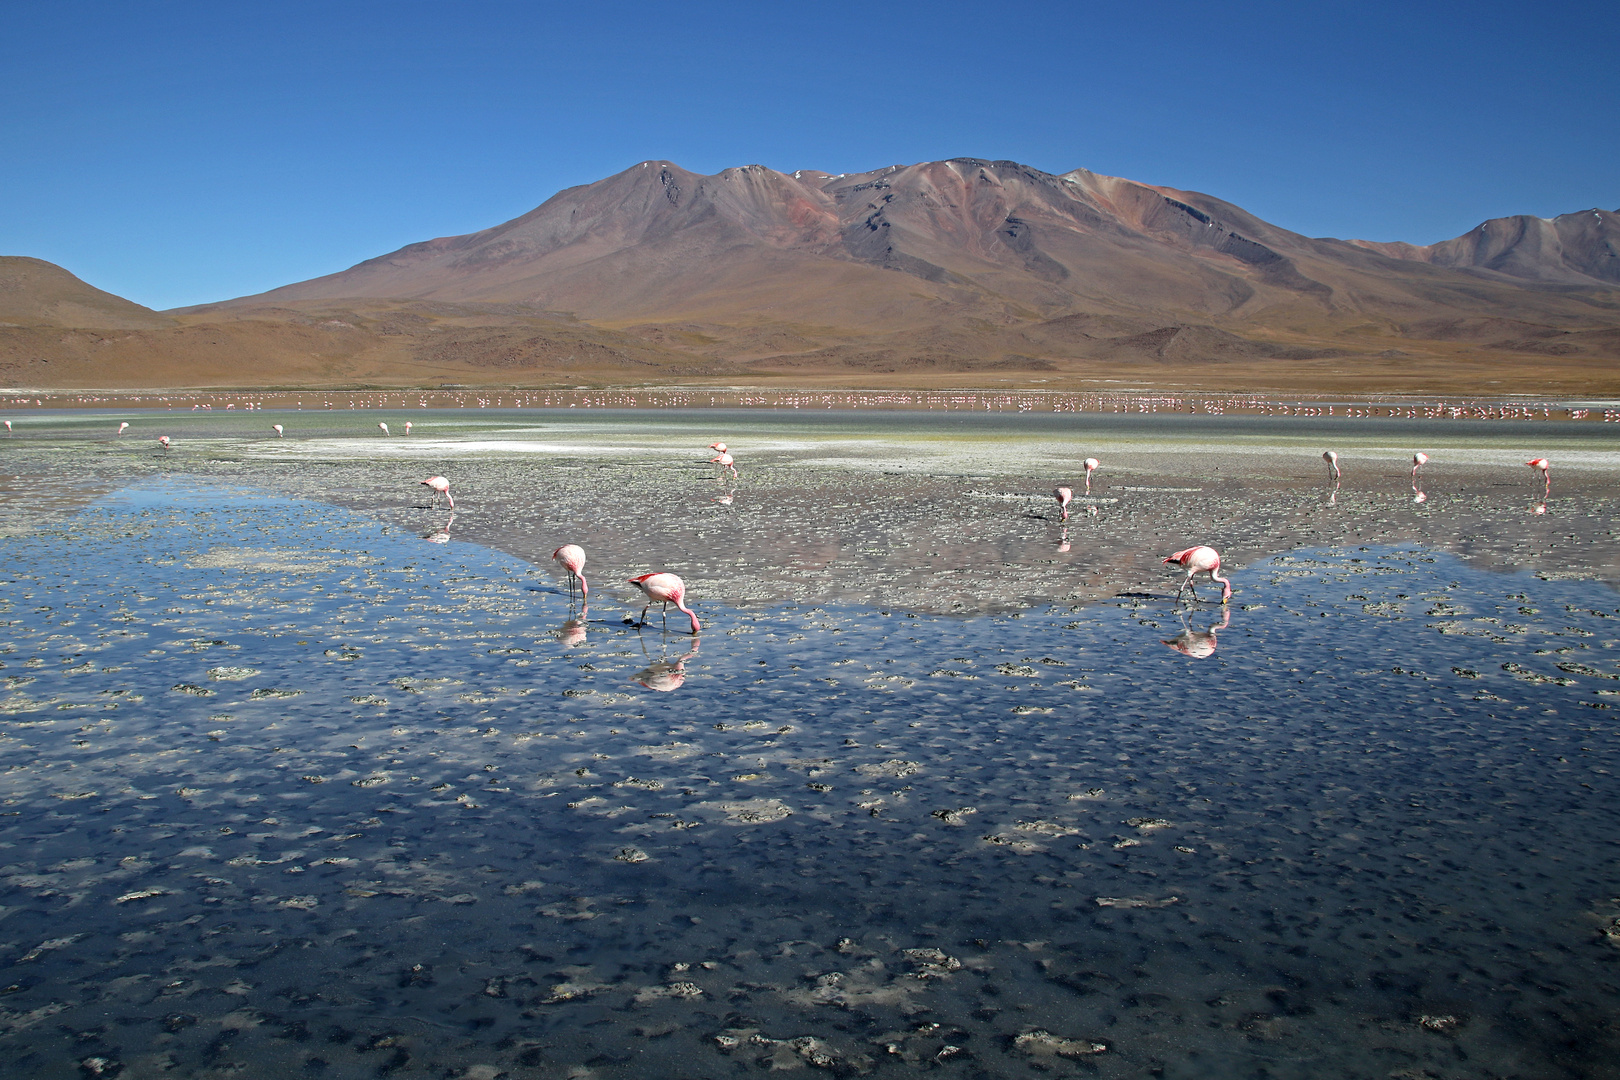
<point>666,588</point>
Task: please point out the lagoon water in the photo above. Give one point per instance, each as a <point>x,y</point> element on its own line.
<point>303,778</point>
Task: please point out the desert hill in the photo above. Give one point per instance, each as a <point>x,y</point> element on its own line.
<point>928,273</point>
<point>34,292</point>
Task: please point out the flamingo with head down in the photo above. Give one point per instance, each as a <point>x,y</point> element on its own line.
<point>1200,560</point>
<point>1064,496</point>
<point>664,589</point>
<point>1092,465</point>
<point>571,557</point>
<point>440,486</point>
<point>278,429</point>
<point>1546,474</point>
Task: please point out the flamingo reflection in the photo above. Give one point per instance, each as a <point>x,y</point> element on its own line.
<point>1063,541</point>
<point>666,675</point>
<point>1198,644</point>
<point>440,536</point>
<point>572,632</point>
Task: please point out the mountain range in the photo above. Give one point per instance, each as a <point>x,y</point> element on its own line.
<point>924,272</point>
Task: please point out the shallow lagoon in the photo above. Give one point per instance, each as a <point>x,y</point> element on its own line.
<point>294,790</point>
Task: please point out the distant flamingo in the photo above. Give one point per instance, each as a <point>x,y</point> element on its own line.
<point>664,589</point>
<point>277,428</point>
<point>383,426</point>
<point>571,557</point>
<point>8,428</point>
<point>1546,474</point>
<point>440,486</point>
<point>122,426</point>
<point>1092,465</point>
<point>163,441</point>
<point>407,427</point>
<point>1201,560</point>
<point>725,461</point>
<point>1064,496</point>
<point>1419,460</point>
<point>1332,460</point>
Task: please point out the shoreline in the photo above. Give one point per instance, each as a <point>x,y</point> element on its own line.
<point>1043,400</point>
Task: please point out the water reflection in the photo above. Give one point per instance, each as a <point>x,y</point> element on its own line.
<point>1063,541</point>
<point>431,848</point>
<point>665,675</point>
<point>1198,644</point>
<point>572,632</point>
<point>440,535</point>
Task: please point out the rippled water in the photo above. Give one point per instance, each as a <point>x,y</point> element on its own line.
<point>294,791</point>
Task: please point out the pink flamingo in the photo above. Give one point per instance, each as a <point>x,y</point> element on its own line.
<point>719,447</point>
<point>1419,460</point>
<point>1200,560</point>
<point>725,462</point>
<point>571,557</point>
<point>1332,460</point>
<point>664,589</point>
<point>1092,465</point>
<point>8,428</point>
<point>277,428</point>
<point>1546,474</point>
<point>440,486</point>
<point>383,426</point>
<point>407,427</point>
<point>1064,496</point>
<point>163,441</point>
<point>122,426</point>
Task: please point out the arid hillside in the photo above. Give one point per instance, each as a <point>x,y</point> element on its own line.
<point>955,271</point>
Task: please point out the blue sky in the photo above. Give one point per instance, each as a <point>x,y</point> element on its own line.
<point>181,152</point>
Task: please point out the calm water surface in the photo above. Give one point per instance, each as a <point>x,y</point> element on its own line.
<point>292,789</point>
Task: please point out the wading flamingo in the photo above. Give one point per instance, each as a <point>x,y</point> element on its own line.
<point>277,428</point>
<point>440,486</point>
<point>1064,496</point>
<point>8,428</point>
<point>1419,460</point>
<point>1332,460</point>
<point>407,427</point>
<point>1546,474</point>
<point>122,426</point>
<point>571,557</point>
<point>1200,560</point>
<point>383,426</point>
<point>725,461</point>
<point>1092,465</point>
<point>163,441</point>
<point>664,589</point>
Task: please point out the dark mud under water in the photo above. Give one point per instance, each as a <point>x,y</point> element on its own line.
<point>319,788</point>
<point>290,792</point>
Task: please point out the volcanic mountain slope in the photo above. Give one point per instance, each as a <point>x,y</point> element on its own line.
<point>34,292</point>
<point>764,264</point>
<point>1573,249</point>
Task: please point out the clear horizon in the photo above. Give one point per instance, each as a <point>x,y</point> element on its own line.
<point>186,153</point>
